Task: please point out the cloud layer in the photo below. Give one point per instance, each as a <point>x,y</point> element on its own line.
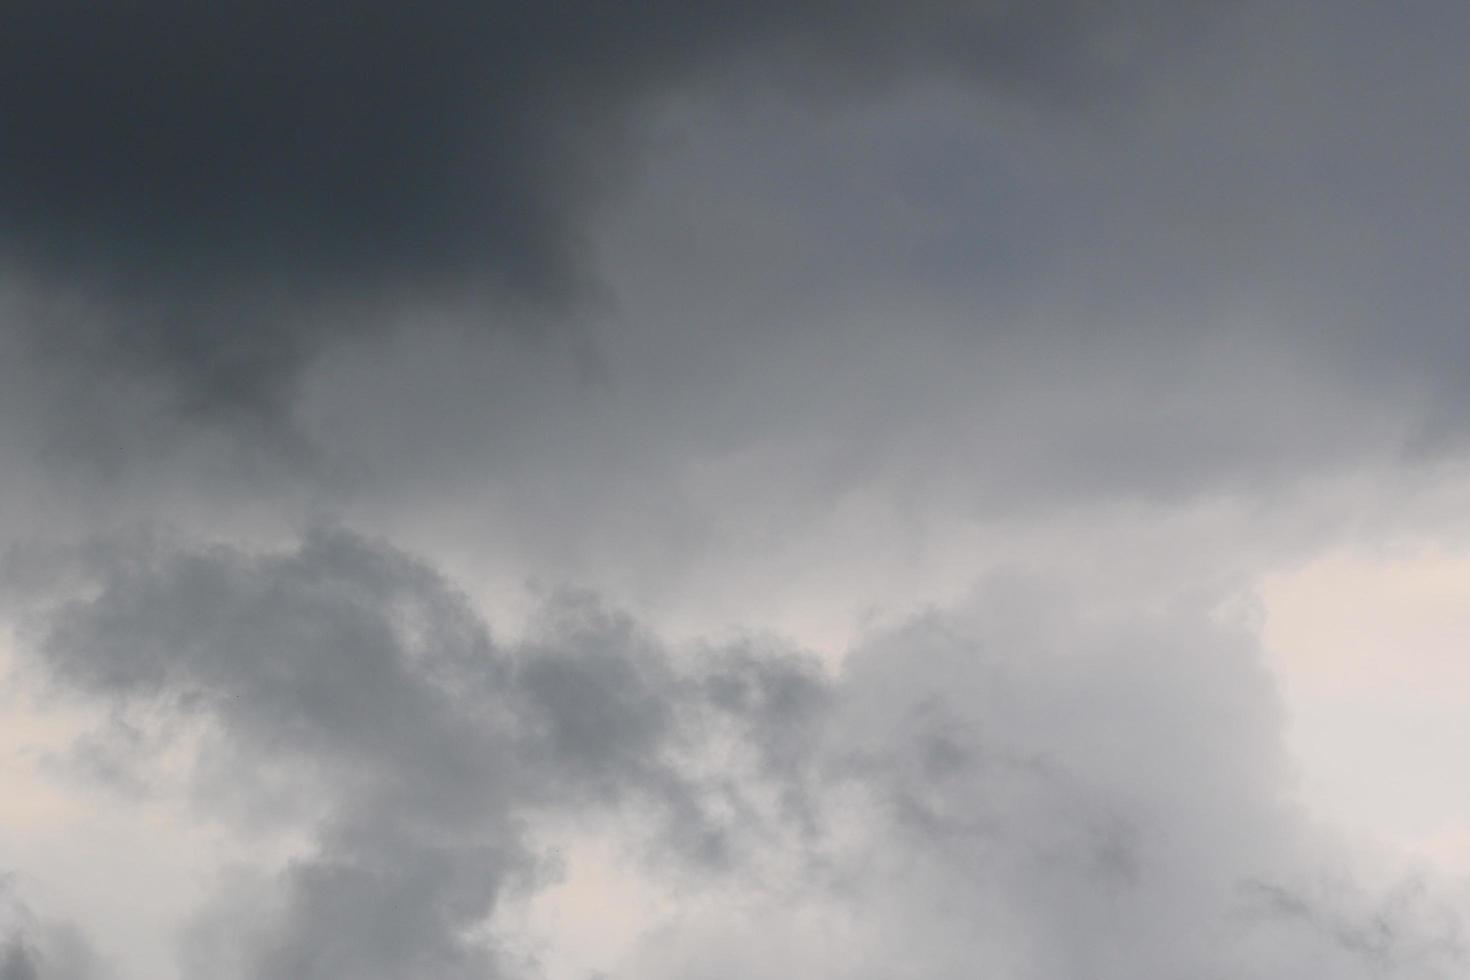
<point>866,425</point>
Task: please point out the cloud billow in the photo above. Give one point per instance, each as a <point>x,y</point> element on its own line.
<point>1018,783</point>
<point>347,680</point>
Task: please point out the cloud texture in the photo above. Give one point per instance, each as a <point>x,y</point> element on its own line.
<point>501,489</point>
<point>1019,785</point>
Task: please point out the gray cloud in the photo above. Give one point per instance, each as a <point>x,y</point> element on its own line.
<point>347,680</point>
<point>1019,783</point>
<point>1117,292</point>
<point>35,949</point>
<point>17,957</point>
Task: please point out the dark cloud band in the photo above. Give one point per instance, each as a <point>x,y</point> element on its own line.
<point>211,171</point>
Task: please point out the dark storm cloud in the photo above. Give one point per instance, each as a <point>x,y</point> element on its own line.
<point>954,311</point>
<point>220,176</point>
<point>1014,782</point>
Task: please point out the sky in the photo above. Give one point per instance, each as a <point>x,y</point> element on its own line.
<point>864,491</point>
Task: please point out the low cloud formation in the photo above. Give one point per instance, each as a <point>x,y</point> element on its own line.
<point>772,328</point>
<point>1021,785</point>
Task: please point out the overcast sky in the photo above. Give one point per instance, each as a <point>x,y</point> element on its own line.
<point>676,490</point>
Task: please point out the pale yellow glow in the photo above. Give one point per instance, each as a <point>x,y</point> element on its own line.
<point>592,917</point>
<point>1354,625</point>
<point>127,870</point>
<point>28,800</point>
<point>1374,654</point>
